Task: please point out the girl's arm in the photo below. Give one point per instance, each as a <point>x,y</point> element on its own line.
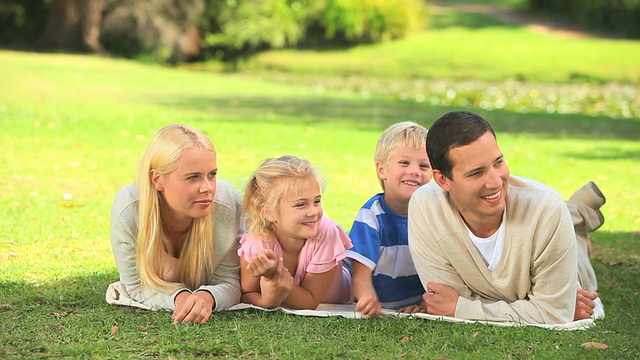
<point>311,291</point>
<point>265,293</point>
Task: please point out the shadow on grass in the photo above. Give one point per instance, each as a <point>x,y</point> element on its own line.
<point>377,114</point>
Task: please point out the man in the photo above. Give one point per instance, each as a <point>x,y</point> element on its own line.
<point>488,245</point>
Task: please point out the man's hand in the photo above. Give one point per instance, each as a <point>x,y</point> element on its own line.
<point>440,299</point>
<point>421,308</point>
<point>277,289</point>
<point>263,263</point>
<point>369,305</point>
<point>193,307</point>
<point>584,304</point>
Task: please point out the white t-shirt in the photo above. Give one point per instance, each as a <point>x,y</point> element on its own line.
<point>491,247</point>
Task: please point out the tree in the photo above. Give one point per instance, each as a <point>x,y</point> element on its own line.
<point>73,25</point>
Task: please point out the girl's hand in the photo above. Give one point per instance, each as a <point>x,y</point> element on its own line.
<point>369,305</point>
<point>263,263</point>
<point>193,307</point>
<point>274,291</point>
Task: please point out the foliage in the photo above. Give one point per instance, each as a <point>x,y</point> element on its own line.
<point>22,21</point>
<point>621,17</point>
<point>236,29</point>
<point>164,30</point>
<point>371,20</point>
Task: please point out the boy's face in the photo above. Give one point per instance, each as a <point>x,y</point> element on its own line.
<point>408,169</point>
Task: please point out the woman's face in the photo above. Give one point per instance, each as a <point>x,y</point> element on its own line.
<point>187,192</point>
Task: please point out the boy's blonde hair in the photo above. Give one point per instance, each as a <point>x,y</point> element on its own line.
<point>196,263</point>
<point>274,179</point>
<point>406,133</point>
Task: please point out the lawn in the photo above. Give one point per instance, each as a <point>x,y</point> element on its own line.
<point>73,126</point>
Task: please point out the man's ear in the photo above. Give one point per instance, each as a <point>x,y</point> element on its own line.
<point>154,176</point>
<point>441,180</point>
<point>381,170</point>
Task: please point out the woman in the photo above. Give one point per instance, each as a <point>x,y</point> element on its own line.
<point>174,233</point>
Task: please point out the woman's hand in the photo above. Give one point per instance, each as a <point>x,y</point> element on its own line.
<point>264,263</point>
<point>193,307</point>
<point>276,289</point>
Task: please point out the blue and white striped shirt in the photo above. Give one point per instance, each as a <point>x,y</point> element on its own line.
<point>380,242</point>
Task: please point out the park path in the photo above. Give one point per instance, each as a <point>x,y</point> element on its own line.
<point>538,23</point>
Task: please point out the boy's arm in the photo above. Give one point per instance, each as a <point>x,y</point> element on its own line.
<point>363,290</point>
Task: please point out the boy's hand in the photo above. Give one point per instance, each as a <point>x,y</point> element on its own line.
<point>263,263</point>
<point>369,305</point>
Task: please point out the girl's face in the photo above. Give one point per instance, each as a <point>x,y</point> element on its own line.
<point>187,191</point>
<point>298,215</point>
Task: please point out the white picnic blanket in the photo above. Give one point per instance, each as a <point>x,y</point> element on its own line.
<point>116,294</point>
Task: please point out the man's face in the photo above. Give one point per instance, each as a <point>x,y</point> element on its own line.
<point>479,184</point>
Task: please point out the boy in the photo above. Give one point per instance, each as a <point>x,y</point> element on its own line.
<point>383,274</point>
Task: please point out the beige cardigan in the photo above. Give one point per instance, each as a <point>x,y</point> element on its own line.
<point>536,279</point>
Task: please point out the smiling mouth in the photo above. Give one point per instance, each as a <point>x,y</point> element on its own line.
<point>492,197</point>
<point>310,223</point>
<point>411,183</point>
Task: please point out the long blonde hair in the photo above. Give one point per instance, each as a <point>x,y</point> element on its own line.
<point>269,184</point>
<point>196,261</point>
<point>406,133</point>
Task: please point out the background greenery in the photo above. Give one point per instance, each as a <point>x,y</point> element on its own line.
<point>72,128</point>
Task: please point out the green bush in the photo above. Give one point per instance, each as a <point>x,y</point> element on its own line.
<point>371,20</point>
<point>235,29</point>
<point>620,17</point>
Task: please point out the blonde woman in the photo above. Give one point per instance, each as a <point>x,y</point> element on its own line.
<point>291,255</point>
<point>174,233</point>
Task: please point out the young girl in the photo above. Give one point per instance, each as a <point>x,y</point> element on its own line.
<point>291,254</point>
<point>174,233</point>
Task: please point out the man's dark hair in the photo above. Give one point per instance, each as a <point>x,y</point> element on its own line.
<point>451,130</point>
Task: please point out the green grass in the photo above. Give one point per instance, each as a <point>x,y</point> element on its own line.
<point>461,45</point>
<point>72,128</point>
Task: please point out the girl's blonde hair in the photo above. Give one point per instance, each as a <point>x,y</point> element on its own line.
<point>274,179</point>
<point>196,261</point>
<point>406,133</point>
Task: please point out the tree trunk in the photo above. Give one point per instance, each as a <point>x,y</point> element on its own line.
<point>73,25</point>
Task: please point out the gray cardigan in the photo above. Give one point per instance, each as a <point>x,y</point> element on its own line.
<point>224,283</point>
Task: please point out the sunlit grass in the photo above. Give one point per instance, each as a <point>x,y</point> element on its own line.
<point>461,46</point>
